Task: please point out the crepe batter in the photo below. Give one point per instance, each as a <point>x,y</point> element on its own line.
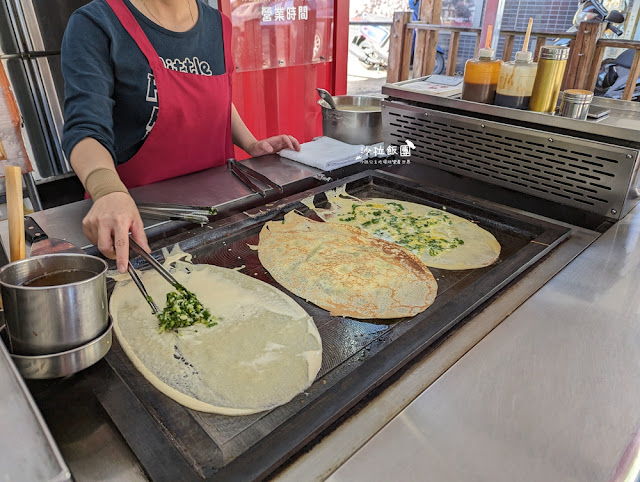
<point>264,351</point>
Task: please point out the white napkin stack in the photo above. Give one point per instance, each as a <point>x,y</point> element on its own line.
<point>327,154</point>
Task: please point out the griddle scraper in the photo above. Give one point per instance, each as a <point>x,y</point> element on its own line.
<point>43,244</point>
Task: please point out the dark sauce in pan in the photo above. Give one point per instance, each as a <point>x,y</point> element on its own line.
<point>60,278</point>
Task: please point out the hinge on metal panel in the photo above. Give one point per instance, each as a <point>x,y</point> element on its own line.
<point>322,177</point>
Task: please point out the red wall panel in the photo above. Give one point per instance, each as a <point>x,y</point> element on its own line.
<point>283,99</point>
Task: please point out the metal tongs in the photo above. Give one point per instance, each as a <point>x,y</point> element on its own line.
<point>136,279</point>
<point>155,265</point>
<point>177,212</point>
<point>244,173</point>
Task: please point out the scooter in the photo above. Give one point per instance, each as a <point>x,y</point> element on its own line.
<point>614,73</point>
<point>613,76</point>
<point>593,10</point>
<point>371,48</point>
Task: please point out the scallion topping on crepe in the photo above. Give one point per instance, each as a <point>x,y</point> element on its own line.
<point>183,309</point>
<point>404,228</point>
<point>438,237</point>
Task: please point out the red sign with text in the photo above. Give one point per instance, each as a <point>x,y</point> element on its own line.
<point>283,50</point>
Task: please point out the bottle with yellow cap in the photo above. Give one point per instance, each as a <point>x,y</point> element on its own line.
<point>515,83</point>
<point>481,77</point>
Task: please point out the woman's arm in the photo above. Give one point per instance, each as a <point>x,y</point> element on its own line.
<point>245,140</point>
<point>240,133</point>
<point>114,213</point>
<point>88,139</point>
<point>89,83</point>
<point>89,155</point>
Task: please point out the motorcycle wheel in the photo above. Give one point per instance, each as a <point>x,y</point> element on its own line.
<point>439,67</point>
<point>607,75</point>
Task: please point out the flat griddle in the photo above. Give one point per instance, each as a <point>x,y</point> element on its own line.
<point>358,356</point>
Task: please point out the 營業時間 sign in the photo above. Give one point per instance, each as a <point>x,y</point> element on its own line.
<point>271,34</point>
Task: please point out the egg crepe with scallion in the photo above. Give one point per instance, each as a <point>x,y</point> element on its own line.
<point>440,239</point>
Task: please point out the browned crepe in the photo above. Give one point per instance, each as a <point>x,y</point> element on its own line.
<point>344,269</point>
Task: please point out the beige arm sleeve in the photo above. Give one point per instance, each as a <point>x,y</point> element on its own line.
<point>103,181</point>
<point>95,168</point>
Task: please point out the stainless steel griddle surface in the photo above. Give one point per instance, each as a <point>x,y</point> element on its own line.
<point>358,356</point>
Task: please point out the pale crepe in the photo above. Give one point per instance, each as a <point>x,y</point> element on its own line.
<point>344,269</point>
<point>264,351</point>
<point>479,247</point>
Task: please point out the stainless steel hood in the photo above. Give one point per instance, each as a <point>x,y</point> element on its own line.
<point>585,166</point>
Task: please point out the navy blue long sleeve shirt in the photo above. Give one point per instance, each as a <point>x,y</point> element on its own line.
<point>109,88</point>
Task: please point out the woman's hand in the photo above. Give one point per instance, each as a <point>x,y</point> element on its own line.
<point>113,215</point>
<point>273,145</point>
<point>244,139</point>
<point>107,225</point>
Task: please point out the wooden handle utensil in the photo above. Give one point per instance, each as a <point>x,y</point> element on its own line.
<point>527,36</point>
<point>487,41</point>
<point>15,211</point>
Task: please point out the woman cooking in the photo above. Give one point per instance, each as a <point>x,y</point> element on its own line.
<point>147,98</point>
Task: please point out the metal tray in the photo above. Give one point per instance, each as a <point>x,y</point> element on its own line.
<point>358,356</point>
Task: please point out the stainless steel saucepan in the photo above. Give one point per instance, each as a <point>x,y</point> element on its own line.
<point>357,119</point>
<point>54,303</point>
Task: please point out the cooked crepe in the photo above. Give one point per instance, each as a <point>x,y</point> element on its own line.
<point>264,351</point>
<point>344,269</point>
<point>441,239</point>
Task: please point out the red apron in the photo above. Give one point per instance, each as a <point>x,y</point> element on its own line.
<point>192,131</point>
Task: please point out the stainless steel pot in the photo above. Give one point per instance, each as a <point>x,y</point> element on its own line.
<point>350,123</point>
<point>43,320</point>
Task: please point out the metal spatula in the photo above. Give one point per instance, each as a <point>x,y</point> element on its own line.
<point>43,244</point>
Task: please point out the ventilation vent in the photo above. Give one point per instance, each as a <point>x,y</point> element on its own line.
<point>580,173</point>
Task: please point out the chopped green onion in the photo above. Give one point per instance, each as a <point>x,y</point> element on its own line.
<point>183,309</point>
